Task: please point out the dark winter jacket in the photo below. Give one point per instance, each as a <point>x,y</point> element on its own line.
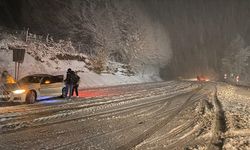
<point>69,77</point>
<point>76,79</point>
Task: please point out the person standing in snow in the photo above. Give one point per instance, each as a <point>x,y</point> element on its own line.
<point>76,81</point>
<point>69,83</point>
<point>6,78</point>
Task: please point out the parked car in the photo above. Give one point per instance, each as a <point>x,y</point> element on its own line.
<point>35,87</point>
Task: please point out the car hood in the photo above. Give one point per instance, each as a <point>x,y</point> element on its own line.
<point>18,86</point>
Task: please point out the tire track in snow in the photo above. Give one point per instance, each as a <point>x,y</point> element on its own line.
<point>67,145</point>
<point>79,105</point>
<point>159,125</point>
<point>219,125</point>
<point>37,107</point>
<point>38,122</point>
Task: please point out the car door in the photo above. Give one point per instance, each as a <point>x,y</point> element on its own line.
<point>51,86</point>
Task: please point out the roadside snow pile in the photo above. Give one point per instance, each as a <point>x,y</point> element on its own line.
<point>49,57</point>
<point>56,57</point>
<point>236,104</point>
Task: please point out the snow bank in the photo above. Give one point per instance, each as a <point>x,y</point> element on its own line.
<point>57,58</point>
<point>236,104</point>
<point>91,79</point>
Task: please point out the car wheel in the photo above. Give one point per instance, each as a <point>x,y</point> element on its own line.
<point>64,94</point>
<point>31,97</point>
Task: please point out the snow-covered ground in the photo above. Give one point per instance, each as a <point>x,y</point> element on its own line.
<point>164,115</point>
<point>106,122</point>
<point>236,105</point>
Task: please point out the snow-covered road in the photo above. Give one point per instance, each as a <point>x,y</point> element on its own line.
<point>163,115</point>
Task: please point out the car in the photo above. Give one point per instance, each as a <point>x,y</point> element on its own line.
<point>202,78</point>
<point>35,87</point>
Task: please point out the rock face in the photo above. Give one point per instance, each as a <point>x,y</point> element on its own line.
<point>183,38</point>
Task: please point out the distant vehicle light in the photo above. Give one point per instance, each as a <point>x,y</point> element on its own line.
<point>225,76</point>
<point>18,91</point>
<point>237,78</point>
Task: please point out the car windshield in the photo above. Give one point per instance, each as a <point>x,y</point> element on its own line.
<point>30,79</point>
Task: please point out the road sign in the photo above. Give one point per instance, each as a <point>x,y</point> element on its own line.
<point>18,58</point>
<point>18,55</point>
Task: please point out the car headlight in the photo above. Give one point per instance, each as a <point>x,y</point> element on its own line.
<point>18,91</point>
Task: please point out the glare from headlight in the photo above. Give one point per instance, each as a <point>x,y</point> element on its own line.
<point>18,91</point>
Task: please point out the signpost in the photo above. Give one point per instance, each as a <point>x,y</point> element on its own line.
<point>18,58</point>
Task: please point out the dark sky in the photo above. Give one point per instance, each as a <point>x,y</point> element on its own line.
<point>201,31</point>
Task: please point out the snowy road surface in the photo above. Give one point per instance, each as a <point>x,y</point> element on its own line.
<point>163,115</point>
